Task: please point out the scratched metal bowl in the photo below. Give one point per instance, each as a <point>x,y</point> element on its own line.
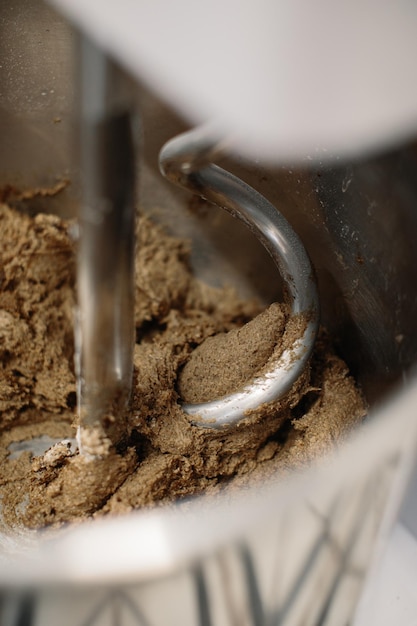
<point>293,553</point>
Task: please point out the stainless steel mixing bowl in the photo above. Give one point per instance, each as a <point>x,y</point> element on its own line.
<point>295,552</point>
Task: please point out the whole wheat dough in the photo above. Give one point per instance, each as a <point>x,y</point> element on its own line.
<point>194,343</point>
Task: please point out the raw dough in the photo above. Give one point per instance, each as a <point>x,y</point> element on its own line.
<point>186,333</point>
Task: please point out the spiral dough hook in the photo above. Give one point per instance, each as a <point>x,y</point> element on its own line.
<point>186,161</point>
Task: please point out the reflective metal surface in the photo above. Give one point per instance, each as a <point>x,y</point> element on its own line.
<point>106,247</point>
<point>186,161</point>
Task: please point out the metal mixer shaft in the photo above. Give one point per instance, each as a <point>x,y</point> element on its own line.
<point>105,327</point>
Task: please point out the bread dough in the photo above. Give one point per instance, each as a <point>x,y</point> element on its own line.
<point>194,342</point>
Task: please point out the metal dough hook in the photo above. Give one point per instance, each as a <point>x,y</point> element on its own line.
<point>186,161</point>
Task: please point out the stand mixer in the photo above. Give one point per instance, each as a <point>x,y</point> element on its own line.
<point>292,559</point>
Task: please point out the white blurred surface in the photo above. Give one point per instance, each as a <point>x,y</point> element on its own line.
<point>290,79</point>
<point>391,597</point>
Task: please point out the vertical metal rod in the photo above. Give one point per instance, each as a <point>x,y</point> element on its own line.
<point>105,269</point>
